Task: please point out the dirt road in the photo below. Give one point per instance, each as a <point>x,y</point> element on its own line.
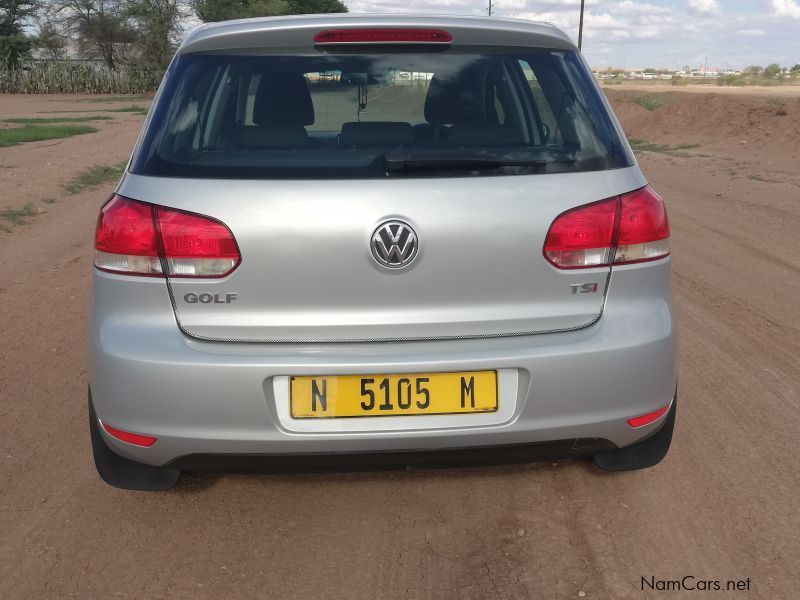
<point>722,506</point>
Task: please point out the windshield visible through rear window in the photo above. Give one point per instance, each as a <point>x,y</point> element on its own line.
<point>376,115</point>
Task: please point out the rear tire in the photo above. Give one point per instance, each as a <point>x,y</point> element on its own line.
<point>642,455</point>
<point>123,473</point>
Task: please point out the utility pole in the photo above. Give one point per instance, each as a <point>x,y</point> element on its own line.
<point>580,25</point>
<point>490,8</point>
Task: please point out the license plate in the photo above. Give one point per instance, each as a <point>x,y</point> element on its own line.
<point>392,395</point>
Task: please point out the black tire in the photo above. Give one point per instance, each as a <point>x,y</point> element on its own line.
<point>123,473</point>
<point>642,455</point>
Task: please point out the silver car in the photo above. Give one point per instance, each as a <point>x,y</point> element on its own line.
<point>379,240</point>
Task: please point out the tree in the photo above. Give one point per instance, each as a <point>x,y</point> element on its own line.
<point>157,25</point>
<point>102,26</point>
<point>315,7</point>
<point>14,44</point>
<point>49,37</point>
<point>223,10</point>
<point>772,71</point>
<point>754,70</point>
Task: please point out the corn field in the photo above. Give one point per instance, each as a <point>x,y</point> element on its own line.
<point>64,77</point>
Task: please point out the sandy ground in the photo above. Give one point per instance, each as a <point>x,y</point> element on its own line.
<point>723,505</point>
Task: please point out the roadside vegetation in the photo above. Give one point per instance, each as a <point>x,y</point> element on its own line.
<point>650,102</point>
<point>12,136</point>
<point>133,109</point>
<point>94,177</point>
<point>115,99</point>
<point>111,46</point>
<point>136,110</point>
<point>677,150</point>
<point>12,217</point>
<point>771,75</point>
<point>779,104</point>
<point>50,120</point>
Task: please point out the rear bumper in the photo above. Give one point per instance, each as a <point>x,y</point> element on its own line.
<point>356,461</point>
<point>206,398</point>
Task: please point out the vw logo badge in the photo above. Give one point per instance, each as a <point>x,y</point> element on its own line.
<point>394,244</point>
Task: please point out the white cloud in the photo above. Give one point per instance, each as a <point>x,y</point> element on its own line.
<point>635,33</point>
<point>706,7</point>
<point>786,8</point>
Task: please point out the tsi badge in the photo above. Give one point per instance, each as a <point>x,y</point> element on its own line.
<point>209,298</point>
<point>583,288</point>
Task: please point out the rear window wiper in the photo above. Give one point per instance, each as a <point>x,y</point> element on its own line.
<point>399,164</point>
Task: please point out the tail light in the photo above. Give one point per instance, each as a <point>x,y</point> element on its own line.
<point>627,229</point>
<point>135,238</point>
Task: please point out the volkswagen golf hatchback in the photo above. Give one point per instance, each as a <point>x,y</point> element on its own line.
<point>379,239</point>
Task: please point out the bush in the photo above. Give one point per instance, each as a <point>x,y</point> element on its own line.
<point>779,104</point>
<point>650,102</point>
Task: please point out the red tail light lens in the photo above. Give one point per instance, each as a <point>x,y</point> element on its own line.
<point>627,229</point>
<point>382,36</point>
<point>125,238</point>
<point>133,237</point>
<point>196,246</point>
<point>643,227</point>
<point>583,236</point>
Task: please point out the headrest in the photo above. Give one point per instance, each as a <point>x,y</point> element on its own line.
<point>283,99</point>
<point>273,137</point>
<point>485,135</point>
<point>457,98</point>
<point>378,133</point>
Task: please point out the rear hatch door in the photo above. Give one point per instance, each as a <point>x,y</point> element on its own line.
<point>308,273</point>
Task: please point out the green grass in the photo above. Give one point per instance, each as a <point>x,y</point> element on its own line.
<point>44,120</point>
<point>678,150</point>
<point>94,177</point>
<point>16,216</point>
<point>650,102</point>
<point>115,99</point>
<point>38,133</point>
<point>139,110</point>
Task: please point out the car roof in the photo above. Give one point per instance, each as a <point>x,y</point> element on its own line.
<point>297,31</point>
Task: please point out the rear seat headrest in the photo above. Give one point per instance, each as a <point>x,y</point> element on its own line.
<point>457,98</point>
<point>377,133</point>
<point>283,99</point>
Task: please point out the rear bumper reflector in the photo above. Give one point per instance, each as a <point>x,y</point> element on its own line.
<point>649,418</point>
<point>145,441</point>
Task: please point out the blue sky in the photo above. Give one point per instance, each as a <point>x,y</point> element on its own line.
<point>658,33</point>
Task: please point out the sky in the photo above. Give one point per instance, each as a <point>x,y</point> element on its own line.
<point>654,33</point>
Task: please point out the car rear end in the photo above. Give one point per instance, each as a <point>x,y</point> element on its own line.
<point>371,234</point>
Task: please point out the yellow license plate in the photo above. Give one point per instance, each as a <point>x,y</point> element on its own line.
<point>326,396</point>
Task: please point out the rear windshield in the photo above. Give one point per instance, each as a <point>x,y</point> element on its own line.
<point>364,115</point>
